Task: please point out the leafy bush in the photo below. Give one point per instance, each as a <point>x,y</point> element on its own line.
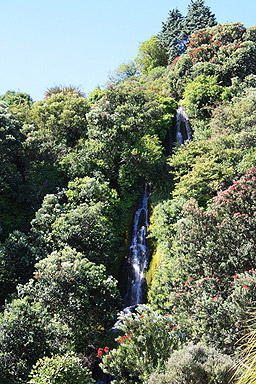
<point>202,167</point>
<point>84,296</point>
<point>201,93</point>
<point>151,55</point>
<point>17,260</point>
<point>60,118</point>
<point>206,310</point>
<point>69,305</point>
<point>81,217</point>
<point>236,116</point>
<point>195,364</point>
<point>8,369</point>
<point>67,369</point>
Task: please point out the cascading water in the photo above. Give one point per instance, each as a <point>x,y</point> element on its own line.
<point>183,132</point>
<point>138,255</point>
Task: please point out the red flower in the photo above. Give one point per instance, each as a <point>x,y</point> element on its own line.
<point>106,349</point>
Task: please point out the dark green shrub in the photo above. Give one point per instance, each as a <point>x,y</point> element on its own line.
<point>7,375</point>
<point>26,334</point>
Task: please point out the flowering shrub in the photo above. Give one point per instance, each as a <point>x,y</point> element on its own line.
<point>210,312</point>
<point>224,51</point>
<point>67,369</point>
<point>146,341</point>
<point>220,240</point>
<point>213,313</point>
<point>208,280</point>
<point>210,44</point>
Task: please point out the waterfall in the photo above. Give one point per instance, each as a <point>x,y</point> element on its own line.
<point>138,255</point>
<point>183,132</point>
<point>137,263</point>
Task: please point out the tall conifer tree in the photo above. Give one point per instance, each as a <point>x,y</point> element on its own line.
<point>177,30</point>
<point>170,35</point>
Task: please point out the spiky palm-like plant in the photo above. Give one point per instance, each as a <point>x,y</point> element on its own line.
<point>246,366</point>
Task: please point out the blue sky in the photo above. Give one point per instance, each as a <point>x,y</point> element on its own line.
<point>57,42</point>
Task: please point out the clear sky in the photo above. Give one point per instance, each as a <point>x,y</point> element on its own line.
<point>79,42</point>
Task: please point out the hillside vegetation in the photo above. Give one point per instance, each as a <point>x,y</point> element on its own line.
<point>72,170</point>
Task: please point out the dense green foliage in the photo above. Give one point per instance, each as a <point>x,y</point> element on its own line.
<point>82,294</point>
<point>72,169</point>
<point>12,190</point>
<point>17,259</point>
<point>202,280</point>
<point>126,129</point>
<point>201,93</point>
